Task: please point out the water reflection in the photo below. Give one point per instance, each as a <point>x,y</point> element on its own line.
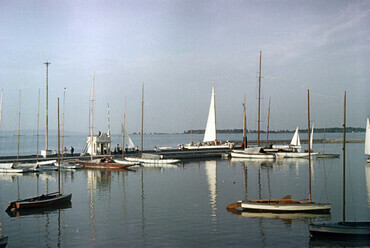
<point>367,175</point>
<point>211,173</point>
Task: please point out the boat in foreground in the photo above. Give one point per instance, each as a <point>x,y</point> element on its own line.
<point>39,201</point>
<point>344,228</point>
<point>3,241</point>
<point>101,163</point>
<point>284,205</point>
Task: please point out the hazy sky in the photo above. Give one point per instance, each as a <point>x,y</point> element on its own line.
<point>178,49</point>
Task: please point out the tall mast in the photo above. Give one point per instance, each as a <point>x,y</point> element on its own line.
<point>309,148</point>
<point>124,130</point>
<point>1,106</point>
<point>259,100</point>
<point>47,104</point>
<point>268,123</point>
<point>91,119</point>
<point>64,104</point>
<point>344,160</point>
<point>38,121</point>
<point>142,120</point>
<point>19,123</point>
<point>108,120</point>
<point>58,151</point>
<point>245,123</point>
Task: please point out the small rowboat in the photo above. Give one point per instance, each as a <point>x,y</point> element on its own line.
<point>39,201</point>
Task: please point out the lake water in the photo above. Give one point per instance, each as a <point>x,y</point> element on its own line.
<point>184,205</point>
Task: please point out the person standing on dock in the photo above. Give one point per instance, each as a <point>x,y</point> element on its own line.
<point>72,150</point>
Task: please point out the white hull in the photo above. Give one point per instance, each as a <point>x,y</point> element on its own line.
<point>348,228</point>
<point>222,146</point>
<point>296,154</point>
<point>290,207</point>
<point>4,170</point>
<point>246,155</point>
<point>120,161</point>
<point>153,161</point>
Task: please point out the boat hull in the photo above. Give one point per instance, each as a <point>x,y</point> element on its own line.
<point>153,161</point>
<point>288,207</point>
<point>296,154</point>
<point>241,154</point>
<point>341,229</point>
<point>40,201</point>
<point>194,147</point>
<point>3,241</point>
<point>102,165</point>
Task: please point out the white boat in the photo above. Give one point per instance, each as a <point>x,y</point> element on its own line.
<point>343,228</point>
<point>158,160</point>
<point>286,204</point>
<point>69,165</point>
<point>253,153</point>
<point>125,161</point>
<point>294,149</point>
<point>210,136</point>
<point>11,168</point>
<point>367,140</point>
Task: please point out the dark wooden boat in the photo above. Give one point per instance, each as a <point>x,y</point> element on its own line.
<point>3,241</point>
<point>42,201</point>
<point>41,210</point>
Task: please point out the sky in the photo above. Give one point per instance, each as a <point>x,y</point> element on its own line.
<point>178,50</point>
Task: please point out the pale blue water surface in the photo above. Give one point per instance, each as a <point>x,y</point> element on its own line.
<point>184,205</point>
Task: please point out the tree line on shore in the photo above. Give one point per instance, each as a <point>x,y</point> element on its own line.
<point>317,130</point>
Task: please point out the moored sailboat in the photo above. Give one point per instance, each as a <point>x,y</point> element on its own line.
<point>52,199</point>
<point>210,135</point>
<point>343,228</point>
<point>286,204</point>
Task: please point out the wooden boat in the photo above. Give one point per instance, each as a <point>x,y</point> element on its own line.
<point>367,140</point>
<point>40,201</point>
<point>39,211</point>
<point>210,136</point>
<point>285,204</point>
<point>343,228</point>
<point>154,159</point>
<point>101,163</point>
<point>47,200</point>
<point>3,241</point>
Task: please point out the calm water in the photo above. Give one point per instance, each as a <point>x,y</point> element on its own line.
<point>183,206</point>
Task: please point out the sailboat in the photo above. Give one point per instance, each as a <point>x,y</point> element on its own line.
<point>47,200</point>
<point>367,140</point>
<point>253,152</point>
<point>294,149</point>
<point>286,204</point>
<point>210,136</point>
<point>343,228</point>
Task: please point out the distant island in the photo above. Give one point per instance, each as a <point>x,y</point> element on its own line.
<point>317,130</point>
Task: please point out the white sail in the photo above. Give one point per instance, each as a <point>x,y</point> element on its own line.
<point>367,138</point>
<point>210,133</point>
<point>311,138</point>
<point>295,140</point>
<point>128,142</point>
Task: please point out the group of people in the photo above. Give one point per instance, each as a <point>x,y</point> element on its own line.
<point>65,151</point>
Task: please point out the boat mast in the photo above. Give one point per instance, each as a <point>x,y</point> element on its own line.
<point>344,160</point>
<point>268,123</point>
<point>245,123</point>
<point>64,104</point>
<point>309,148</point>
<point>19,123</point>
<point>38,120</point>
<point>1,106</point>
<point>124,131</point>
<point>108,120</point>
<point>259,100</point>
<point>142,119</point>
<point>58,151</point>
<point>91,119</point>
<point>47,105</point>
